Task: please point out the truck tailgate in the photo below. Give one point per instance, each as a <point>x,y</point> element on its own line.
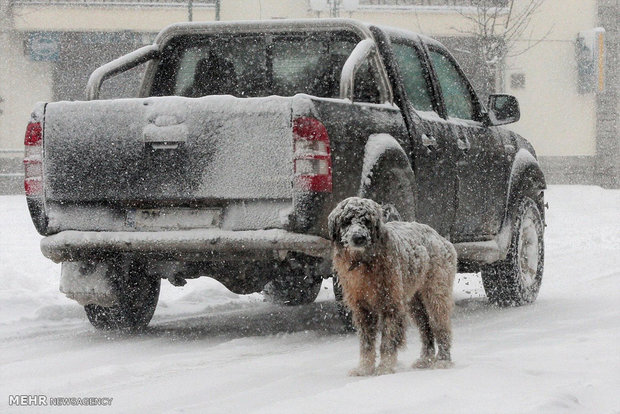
<point>168,150</point>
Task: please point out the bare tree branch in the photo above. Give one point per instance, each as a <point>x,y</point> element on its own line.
<point>498,28</point>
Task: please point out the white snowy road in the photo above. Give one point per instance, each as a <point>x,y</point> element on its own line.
<point>211,351</point>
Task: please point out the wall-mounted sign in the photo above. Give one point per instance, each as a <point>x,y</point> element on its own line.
<point>517,80</point>
<point>44,46</point>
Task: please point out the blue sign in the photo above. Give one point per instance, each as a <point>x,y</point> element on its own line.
<point>44,46</point>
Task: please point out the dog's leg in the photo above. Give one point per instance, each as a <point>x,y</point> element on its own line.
<point>392,338</point>
<point>420,316</point>
<point>439,309</point>
<point>366,323</point>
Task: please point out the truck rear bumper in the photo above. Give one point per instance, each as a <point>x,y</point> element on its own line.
<point>199,244</point>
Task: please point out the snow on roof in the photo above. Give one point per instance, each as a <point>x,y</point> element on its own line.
<point>263,26</point>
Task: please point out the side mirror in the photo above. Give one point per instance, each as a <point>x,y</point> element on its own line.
<point>503,109</point>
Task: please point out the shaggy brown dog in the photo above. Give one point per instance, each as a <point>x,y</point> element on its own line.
<point>389,270</point>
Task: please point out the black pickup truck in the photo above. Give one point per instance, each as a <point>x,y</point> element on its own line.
<point>244,136</point>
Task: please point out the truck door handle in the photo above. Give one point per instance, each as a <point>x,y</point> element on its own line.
<point>428,141</point>
<point>164,134</point>
<point>463,144</point>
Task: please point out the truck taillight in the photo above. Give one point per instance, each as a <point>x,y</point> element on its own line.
<point>312,155</point>
<point>33,159</point>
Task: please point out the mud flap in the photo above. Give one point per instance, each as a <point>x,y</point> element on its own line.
<point>88,283</point>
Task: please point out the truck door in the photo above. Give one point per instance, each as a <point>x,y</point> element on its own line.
<point>433,152</point>
<point>481,167</point>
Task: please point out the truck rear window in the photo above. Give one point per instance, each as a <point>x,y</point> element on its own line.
<point>260,65</point>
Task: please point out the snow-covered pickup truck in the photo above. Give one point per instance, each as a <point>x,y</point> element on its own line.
<point>243,137</point>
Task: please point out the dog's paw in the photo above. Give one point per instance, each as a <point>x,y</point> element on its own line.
<point>384,370</point>
<point>362,372</point>
<point>443,364</point>
<point>424,363</point>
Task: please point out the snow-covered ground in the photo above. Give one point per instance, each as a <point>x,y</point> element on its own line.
<point>210,351</point>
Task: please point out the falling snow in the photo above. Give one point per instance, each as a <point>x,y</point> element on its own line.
<point>210,350</point>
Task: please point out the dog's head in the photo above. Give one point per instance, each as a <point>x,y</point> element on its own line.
<point>356,224</point>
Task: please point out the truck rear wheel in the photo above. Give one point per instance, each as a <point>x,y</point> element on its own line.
<point>137,296</point>
<point>516,280</point>
<point>298,282</point>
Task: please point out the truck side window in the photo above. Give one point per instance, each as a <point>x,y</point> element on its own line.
<point>414,79</point>
<point>454,88</point>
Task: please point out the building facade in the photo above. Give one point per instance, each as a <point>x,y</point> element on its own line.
<point>48,48</point>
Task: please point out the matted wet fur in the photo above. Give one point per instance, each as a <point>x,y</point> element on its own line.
<point>388,271</point>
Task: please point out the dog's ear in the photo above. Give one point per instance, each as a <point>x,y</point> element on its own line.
<point>378,220</point>
<point>382,232</point>
<point>390,213</point>
<point>333,223</point>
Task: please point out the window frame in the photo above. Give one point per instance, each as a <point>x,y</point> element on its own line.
<point>426,70</point>
<point>478,115</point>
<point>163,75</point>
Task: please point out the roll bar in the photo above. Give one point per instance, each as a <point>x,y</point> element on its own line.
<point>366,48</point>
<point>113,68</point>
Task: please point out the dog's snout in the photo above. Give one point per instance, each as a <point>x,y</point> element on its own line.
<point>356,236</point>
<point>358,239</point>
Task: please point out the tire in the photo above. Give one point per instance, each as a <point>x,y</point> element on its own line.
<point>137,295</point>
<point>296,283</point>
<point>516,280</point>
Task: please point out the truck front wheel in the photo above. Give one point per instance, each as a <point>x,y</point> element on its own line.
<point>137,294</point>
<point>516,280</point>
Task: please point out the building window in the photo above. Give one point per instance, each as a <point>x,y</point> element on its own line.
<point>517,81</point>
